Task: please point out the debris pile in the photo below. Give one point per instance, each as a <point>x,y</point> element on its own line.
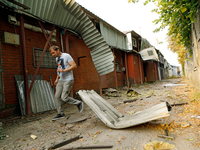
<point>156,145</point>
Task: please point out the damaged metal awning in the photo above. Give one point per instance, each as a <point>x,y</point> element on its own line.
<point>149,54</point>
<point>67,14</point>
<point>114,119</point>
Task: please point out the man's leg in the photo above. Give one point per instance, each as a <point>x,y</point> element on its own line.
<point>65,95</point>
<point>58,100</point>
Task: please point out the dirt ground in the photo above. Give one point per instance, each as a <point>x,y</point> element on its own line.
<point>182,124</point>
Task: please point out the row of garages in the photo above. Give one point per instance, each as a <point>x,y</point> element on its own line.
<point>105,56</point>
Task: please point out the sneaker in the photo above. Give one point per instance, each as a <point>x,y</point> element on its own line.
<point>80,107</point>
<point>58,117</point>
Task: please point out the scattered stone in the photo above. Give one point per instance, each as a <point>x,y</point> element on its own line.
<point>184,125</point>
<point>181,124</point>
<point>64,132</point>
<point>131,112</point>
<point>69,126</point>
<point>33,137</point>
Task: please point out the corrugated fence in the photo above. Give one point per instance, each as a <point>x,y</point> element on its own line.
<point>41,95</point>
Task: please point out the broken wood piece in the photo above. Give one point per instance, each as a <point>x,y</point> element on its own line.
<point>31,120</point>
<point>112,95</point>
<point>89,147</point>
<point>179,104</point>
<point>164,136</point>
<point>78,120</point>
<point>130,100</point>
<point>166,132</point>
<point>65,142</point>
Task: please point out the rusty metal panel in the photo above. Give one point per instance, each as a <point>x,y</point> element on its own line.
<point>10,38</point>
<point>103,81</point>
<point>67,14</point>
<point>149,71</point>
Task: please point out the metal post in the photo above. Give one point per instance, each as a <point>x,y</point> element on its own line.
<point>100,87</point>
<point>44,32</point>
<point>115,72</point>
<point>23,45</point>
<point>126,65</point>
<point>140,64</point>
<point>68,51</point>
<point>45,47</point>
<point>66,42</point>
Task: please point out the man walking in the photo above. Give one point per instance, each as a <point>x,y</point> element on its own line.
<point>64,81</point>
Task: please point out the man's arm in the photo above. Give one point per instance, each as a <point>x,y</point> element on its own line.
<point>72,67</point>
<point>56,81</point>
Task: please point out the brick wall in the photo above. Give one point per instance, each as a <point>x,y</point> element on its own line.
<point>86,76</point>
<point>12,61</point>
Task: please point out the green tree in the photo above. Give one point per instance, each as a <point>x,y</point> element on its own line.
<point>178,15</point>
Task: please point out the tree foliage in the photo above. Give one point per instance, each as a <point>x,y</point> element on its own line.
<point>176,47</point>
<point>178,15</point>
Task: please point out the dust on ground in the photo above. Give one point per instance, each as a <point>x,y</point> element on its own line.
<point>182,124</point>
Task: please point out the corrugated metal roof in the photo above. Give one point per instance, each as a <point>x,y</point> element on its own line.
<point>144,44</point>
<point>133,32</point>
<point>68,14</point>
<point>114,37</point>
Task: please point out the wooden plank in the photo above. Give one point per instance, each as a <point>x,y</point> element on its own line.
<point>130,100</point>
<point>64,142</point>
<point>164,136</point>
<point>89,147</point>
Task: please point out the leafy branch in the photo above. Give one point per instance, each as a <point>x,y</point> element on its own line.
<point>178,15</point>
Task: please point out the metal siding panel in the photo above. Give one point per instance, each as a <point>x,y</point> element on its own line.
<point>32,101</point>
<point>45,95</point>
<point>21,97</point>
<point>38,98</point>
<point>95,40</point>
<point>51,95</point>
<point>42,96</point>
<point>90,36</point>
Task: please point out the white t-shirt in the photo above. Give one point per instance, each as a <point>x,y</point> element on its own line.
<point>64,60</point>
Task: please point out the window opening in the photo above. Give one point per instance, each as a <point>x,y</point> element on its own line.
<point>47,62</point>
